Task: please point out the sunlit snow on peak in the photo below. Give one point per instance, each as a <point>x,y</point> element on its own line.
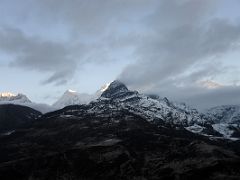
<point>71,91</point>
<point>105,87</point>
<point>7,94</point>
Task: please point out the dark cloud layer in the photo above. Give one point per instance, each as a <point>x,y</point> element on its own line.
<point>203,98</point>
<point>183,49</point>
<point>35,54</point>
<point>88,23</point>
<point>93,17</point>
<point>186,40</point>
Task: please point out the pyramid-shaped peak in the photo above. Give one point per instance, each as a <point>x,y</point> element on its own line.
<point>117,84</point>
<point>114,88</point>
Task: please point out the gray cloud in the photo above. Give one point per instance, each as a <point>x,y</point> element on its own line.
<point>183,48</point>
<point>33,53</point>
<point>88,25</point>
<point>203,98</point>
<point>175,51</point>
<point>94,17</point>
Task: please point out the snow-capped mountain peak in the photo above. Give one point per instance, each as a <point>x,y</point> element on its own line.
<point>71,97</point>
<point>114,88</point>
<point>12,98</point>
<point>105,87</point>
<point>6,94</point>
<point>156,108</point>
<point>117,85</point>
<point>70,91</point>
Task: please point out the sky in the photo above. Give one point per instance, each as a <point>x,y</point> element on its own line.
<point>186,50</point>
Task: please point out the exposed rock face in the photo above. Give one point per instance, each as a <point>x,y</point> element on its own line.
<point>115,90</point>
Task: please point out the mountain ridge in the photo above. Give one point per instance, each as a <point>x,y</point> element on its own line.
<point>152,107</point>
<point>23,100</point>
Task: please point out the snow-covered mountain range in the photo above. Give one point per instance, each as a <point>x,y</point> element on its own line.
<point>221,122</point>
<point>116,96</point>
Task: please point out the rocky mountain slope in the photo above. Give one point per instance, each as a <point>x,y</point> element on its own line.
<point>161,110</point>
<point>104,142</point>
<point>225,114</point>
<point>152,108</point>
<point>226,119</point>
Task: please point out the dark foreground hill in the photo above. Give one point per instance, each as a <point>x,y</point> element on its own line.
<point>15,116</point>
<point>100,141</point>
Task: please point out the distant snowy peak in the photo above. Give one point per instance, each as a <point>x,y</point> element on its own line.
<point>6,94</point>
<point>12,98</point>
<point>71,97</point>
<point>21,99</point>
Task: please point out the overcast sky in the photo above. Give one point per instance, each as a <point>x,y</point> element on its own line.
<point>186,50</point>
